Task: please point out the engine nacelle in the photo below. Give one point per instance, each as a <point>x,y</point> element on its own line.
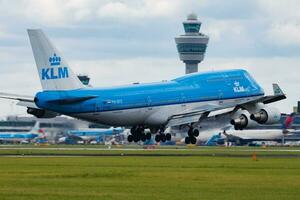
<point>266,115</point>
<point>243,120</point>
<point>40,113</point>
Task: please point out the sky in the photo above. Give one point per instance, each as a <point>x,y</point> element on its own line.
<point>125,41</point>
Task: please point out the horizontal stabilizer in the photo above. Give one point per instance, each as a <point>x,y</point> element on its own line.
<point>16,97</point>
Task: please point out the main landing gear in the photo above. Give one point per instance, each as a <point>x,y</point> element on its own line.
<point>138,134</point>
<point>191,138</point>
<point>161,136</point>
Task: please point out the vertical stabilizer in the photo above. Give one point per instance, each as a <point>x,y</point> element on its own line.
<point>54,72</point>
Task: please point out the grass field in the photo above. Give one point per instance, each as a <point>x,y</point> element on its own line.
<point>166,177</point>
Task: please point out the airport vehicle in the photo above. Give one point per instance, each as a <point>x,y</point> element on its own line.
<point>186,100</point>
<point>90,134</point>
<point>23,137</point>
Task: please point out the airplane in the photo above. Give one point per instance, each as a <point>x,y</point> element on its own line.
<point>90,134</point>
<point>186,100</point>
<point>254,135</point>
<point>23,137</point>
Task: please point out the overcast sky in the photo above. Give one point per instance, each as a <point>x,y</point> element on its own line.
<point>126,41</point>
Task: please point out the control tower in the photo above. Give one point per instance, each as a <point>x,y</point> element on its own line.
<point>192,45</point>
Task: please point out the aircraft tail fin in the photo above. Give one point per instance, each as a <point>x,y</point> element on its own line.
<point>288,121</point>
<point>36,129</point>
<point>54,72</point>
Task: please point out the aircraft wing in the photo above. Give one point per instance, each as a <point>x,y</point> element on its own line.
<point>210,110</point>
<point>277,96</point>
<point>197,115</point>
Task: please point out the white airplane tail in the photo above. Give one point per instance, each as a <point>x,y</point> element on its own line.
<point>54,72</point>
<point>35,128</point>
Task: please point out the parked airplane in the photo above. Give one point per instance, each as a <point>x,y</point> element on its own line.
<point>91,134</point>
<point>24,137</point>
<point>186,100</point>
<point>247,136</point>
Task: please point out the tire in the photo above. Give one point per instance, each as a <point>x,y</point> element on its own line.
<point>193,140</point>
<point>196,132</point>
<point>190,132</point>
<point>163,137</point>
<point>136,138</point>
<point>168,136</point>
<point>157,138</point>
<point>130,138</point>
<point>187,140</point>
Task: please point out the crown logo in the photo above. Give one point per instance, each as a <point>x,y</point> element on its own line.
<point>55,60</point>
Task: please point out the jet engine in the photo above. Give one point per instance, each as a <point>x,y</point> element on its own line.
<point>243,120</point>
<point>40,113</point>
<point>266,115</point>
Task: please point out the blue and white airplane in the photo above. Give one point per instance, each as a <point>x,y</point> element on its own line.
<point>91,134</point>
<point>186,100</point>
<point>27,137</point>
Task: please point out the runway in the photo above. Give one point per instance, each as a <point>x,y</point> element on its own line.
<point>139,152</point>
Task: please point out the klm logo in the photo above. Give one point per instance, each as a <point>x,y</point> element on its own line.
<point>55,72</point>
<point>238,88</point>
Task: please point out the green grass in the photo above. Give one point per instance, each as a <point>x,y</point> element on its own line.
<point>198,177</point>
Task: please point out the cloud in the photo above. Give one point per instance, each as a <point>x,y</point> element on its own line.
<point>284,34</point>
<point>282,20</point>
<point>139,11</point>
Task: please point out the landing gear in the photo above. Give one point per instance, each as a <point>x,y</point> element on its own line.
<point>162,137</point>
<point>168,136</point>
<point>191,138</point>
<point>130,138</point>
<point>138,134</point>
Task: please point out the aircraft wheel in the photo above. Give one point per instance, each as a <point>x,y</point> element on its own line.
<point>168,136</point>
<point>163,137</point>
<point>157,138</point>
<point>148,136</point>
<point>196,132</point>
<point>190,132</point>
<point>187,140</point>
<point>143,137</point>
<point>136,138</point>
<point>193,140</point>
<point>130,138</point>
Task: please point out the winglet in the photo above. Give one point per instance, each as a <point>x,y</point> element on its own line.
<point>277,90</point>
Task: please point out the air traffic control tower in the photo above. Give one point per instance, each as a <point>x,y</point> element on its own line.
<point>192,45</point>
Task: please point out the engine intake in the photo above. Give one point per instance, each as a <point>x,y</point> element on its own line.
<point>241,120</point>
<point>267,115</point>
<point>240,123</point>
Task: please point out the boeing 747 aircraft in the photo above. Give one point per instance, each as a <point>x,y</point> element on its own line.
<point>186,100</point>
